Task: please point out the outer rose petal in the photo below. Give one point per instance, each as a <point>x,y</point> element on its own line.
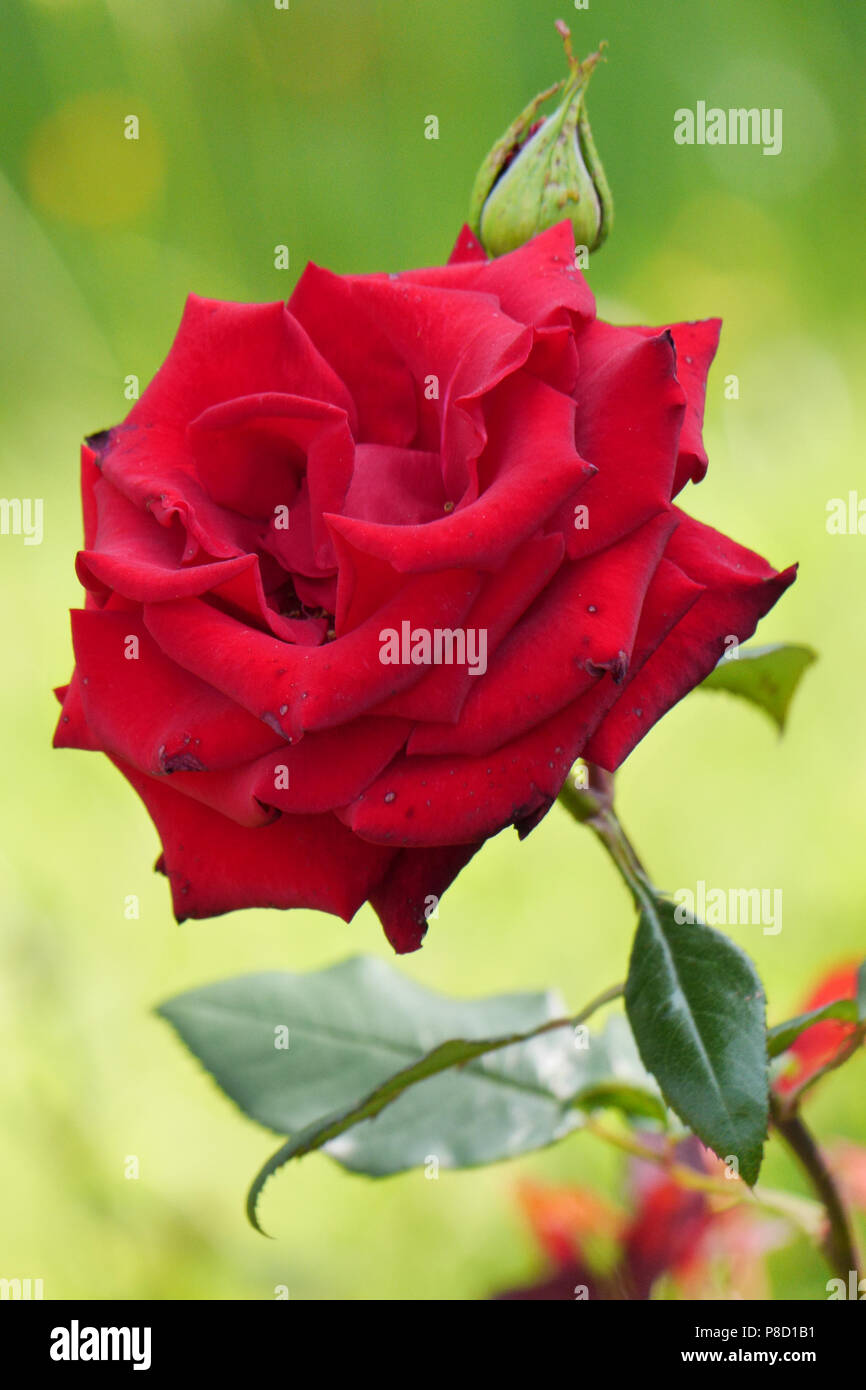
<point>467,247</point>
<point>89,478</point>
<point>150,711</point>
<point>324,771</point>
<point>216,866</point>
<point>531,283</point>
<point>132,557</point>
<point>740,588</point>
<point>696,345</point>
<point>415,876</point>
<point>424,801</point>
<point>630,409</point>
<point>223,350</point>
<point>72,730</point>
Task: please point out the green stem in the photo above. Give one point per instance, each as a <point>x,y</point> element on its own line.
<point>594,807</point>
<point>838,1245</point>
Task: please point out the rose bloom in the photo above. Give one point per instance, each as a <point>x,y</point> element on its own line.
<point>461,450</point>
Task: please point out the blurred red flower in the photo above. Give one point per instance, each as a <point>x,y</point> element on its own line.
<point>821,1043</point>
<point>599,1251</point>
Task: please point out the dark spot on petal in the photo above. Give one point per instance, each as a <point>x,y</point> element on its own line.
<point>179,762</point>
<point>273,723</point>
<point>98,442</point>
<point>619,668</point>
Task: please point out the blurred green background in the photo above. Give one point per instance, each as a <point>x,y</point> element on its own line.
<point>260,126</point>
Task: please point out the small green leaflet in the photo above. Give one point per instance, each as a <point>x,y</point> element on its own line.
<point>382,1073</point>
<point>696,1008</point>
<point>781,1037</point>
<point>766,676</point>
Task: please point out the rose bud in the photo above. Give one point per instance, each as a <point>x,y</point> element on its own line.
<point>543,170</point>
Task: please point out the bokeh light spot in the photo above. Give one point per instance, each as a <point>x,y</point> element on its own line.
<point>83,169</point>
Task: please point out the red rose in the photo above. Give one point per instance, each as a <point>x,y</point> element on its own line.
<point>464,450</point>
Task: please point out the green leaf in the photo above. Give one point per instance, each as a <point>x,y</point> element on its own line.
<point>861,993</point>
<point>463,1118</point>
<point>431,1118</point>
<point>696,1008</point>
<point>387,1074</point>
<point>782,1035</point>
<point>350,1028</point>
<point>767,676</point>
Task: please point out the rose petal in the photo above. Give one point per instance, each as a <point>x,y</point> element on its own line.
<point>424,801</point>
<point>397,487</point>
<point>378,382</point>
<point>215,866</point>
<point>323,771</point>
<point>224,350</point>
<point>150,711</point>
<point>740,588</point>
<point>696,345</point>
<point>581,627</point>
<point>296,688</point>
<point>467,247</point>
<point>529,467</point>
<point>630,409</point>
<point>409,892</point>
<point>441,695</point>
<point>531,283</point>
<point>72,730</point>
